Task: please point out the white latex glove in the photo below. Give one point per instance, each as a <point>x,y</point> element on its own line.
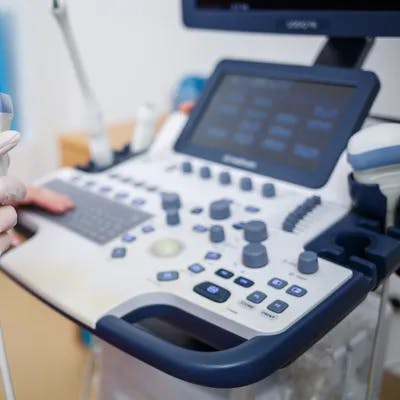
<point>11,190</point>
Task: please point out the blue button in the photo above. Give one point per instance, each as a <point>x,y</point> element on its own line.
<point>239,225</point>
<point>252,209</point>
<point>246,184</point>
<point>288,226</point>
<point>278,306</point>
<point>225,178</point>
<point>212,255</point>
<point>297,291</point>
<point>196,268</point>
<point>268,190</point>
<point>200,228</point>
<point>224,273</point>
<point>138,202</point>
<point>196,210</point>
<point>241,281</point>
<point>105,189</point>
<point>128,238</point>
<point>121,195</point>
<point>256,297</point>
<point>205,172</point>
<point>166,276</point>
<point>212,292</point>
<point>118,252</point>
<point>186,167</point>
<point>147,229</point>
<point>277,283</point>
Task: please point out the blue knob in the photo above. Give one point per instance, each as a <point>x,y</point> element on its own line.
<point>170,201</point>
<point>225,178</point>
<point>308,262</point>
<point>219,210</point>
<point>186,167</point>
<point>254,255</point>
<point>268,190</point>
<point>255,231</point>
<point>246,184</point>
<point>217,234</point>
<point>205,172</point>
<point>172,217</point>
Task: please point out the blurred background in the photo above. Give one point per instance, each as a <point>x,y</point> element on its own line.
<point>134,51</point>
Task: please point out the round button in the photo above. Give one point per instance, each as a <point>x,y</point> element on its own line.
<point>254,255</point>
<point>166,247</point>
<point>255,231</point>
<point>219,210</point>
<point>308,262</point>
<point>246,184</point>
<point>205,172</point>
<point>172,217</point>
<point>186,167</point>
<point>225,178</point>
<point>170,201</point>
<point>217,234</point>
<point>268,190</point>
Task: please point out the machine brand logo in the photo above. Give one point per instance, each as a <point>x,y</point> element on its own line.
<point>302,24</point>
<point>239,161</point>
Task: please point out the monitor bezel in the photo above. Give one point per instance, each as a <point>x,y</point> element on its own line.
<point>366,86</point>
<point>308,22</point>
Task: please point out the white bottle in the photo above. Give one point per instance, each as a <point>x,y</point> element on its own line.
<point>145,128</point>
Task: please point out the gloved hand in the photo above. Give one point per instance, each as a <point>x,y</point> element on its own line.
<point>11,190</point>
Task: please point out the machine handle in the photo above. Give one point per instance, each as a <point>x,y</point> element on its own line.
<point>246,363</point>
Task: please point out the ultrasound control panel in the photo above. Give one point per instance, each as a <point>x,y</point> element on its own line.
<point>212,234</point>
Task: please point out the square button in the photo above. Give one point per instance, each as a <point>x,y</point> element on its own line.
<point>239,225</point>
<point>118,252</point>
<point>138,202</point>
<point>252,209</point>
<point>212,255</point>
<point>200,228</point>
<point>297,291</point>
<point>196,268</point>
<point>167,276</point>
<point>196,210</point>
<point>128,238</point>
<point>256,297</point>
<point>224,273</point>
<point>212,292</point>
<point>277,283</point>
<point>278,306</point>
<point>147,229</point>
<point>241,281</point>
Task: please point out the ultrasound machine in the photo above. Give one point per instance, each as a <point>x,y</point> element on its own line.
<point>220,262</point>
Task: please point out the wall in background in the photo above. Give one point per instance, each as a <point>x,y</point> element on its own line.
<point>135,51</point>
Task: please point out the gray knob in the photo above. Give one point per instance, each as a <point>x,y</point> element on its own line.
<point>225,178</point>
<point>254,255</point>
<point>246,184</point>
<point>217,234</point>
<point>205,172</point>
<point>219,210</point>
<point>255,231</point>
<point>268,190</point>
<point>172,217</point>
<point>308,262</point>
<point>186,167</point>
<point>170,201</point>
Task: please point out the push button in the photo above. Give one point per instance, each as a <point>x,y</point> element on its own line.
<point>200,228</point>
<point>167,276</point>
<point>148,229</point>
<point>277,283</point>
<point>172,217</point>
<point>217,234</point>
<point>196,268</point>
<point>256,297</point>
<point>252,209</point>
<point>212,292</point>
<point>254,255</point>
<point>186,167</point>
<point>308,262</point>
<point>278,306</point>
<point>268,190</point>
<point>255,231</point>
<point>212,255</point>
<point>138,202</point>
<point>219,210</point>
<point>128,238</point>
<point>244,282</point>
<point>224,178</point>
<point>246,184</point>
<point>170,200</point>
<point>224,273</point>
<point>296,291</point>
<point>118,252</point>
<point>205,172</point>
<point>196,210</point>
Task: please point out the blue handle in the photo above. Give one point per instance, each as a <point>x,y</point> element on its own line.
<point>247,363</point>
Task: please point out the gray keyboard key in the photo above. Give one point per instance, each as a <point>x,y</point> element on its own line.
<point>94,217</point>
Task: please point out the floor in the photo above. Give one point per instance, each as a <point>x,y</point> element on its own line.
<point>45,355</point>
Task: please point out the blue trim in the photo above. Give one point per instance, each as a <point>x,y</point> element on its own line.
<point>246,363</point>
<point>366,88</point>
<point>377,158</point>
<point>331,23</point>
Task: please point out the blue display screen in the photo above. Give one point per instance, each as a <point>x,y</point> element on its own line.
<point>285,122</point>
